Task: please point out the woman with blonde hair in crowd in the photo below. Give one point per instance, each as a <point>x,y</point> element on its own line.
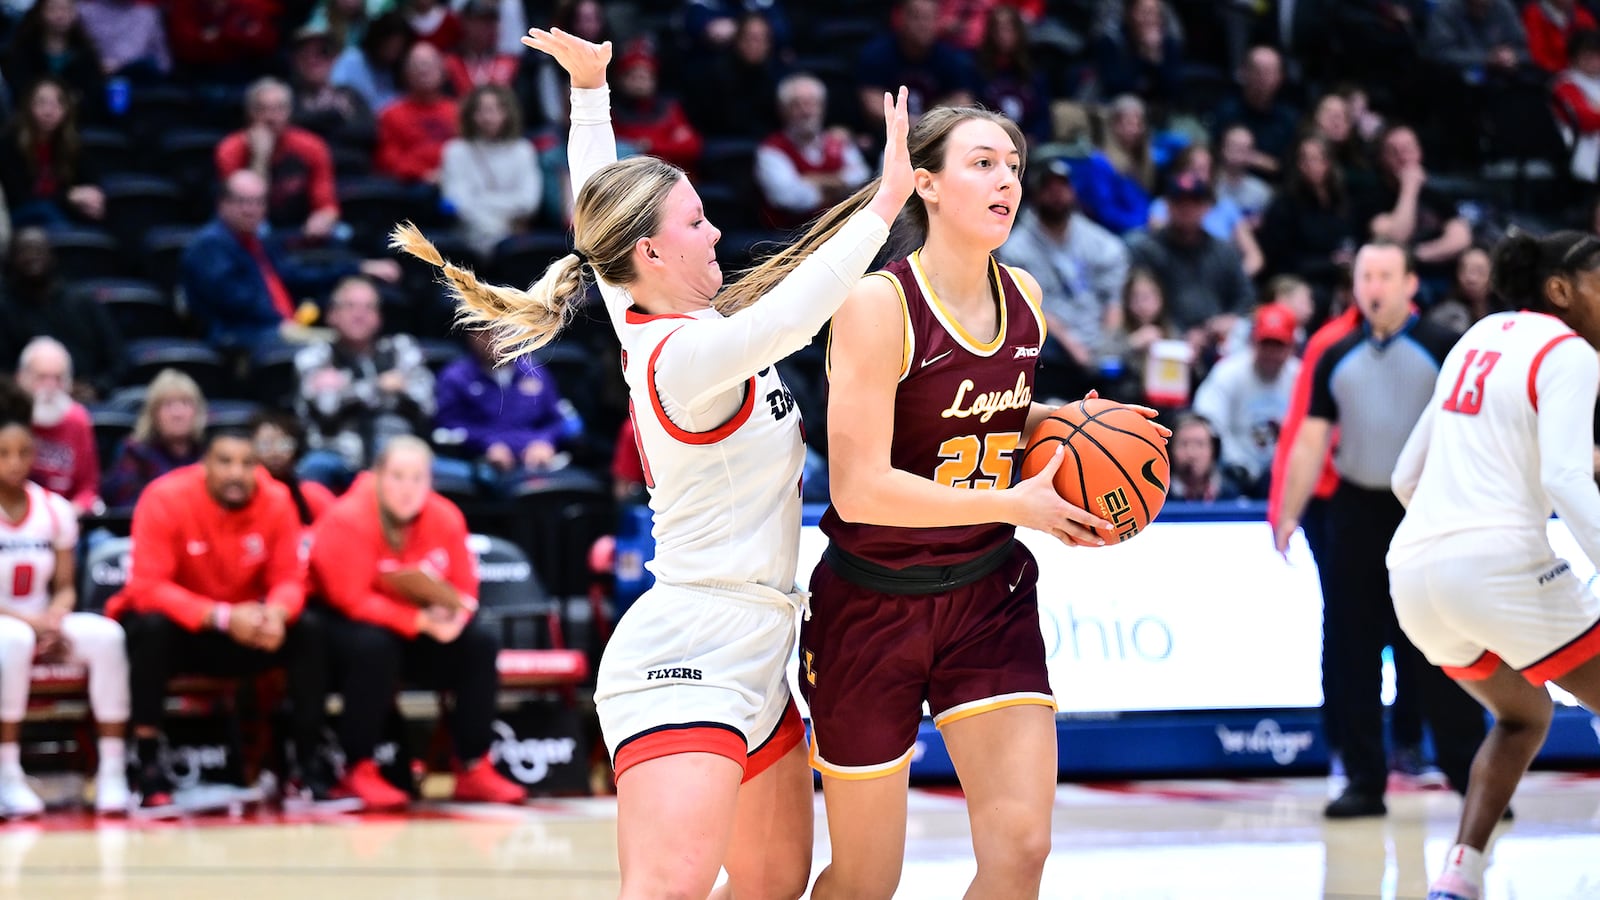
<point>169,434</point>
<point>693,693</point>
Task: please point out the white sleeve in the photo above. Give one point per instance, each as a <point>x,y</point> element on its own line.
<point>709,359</point>
<point>1408,468</point>
<point>1566,386</point>
<point>66,519</point>
<point>781,183</point>
<point>590,142</point>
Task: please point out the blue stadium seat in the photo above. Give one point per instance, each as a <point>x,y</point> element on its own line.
<point>195,358</point>
<point>139,308</point>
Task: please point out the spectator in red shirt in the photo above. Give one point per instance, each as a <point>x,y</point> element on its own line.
<point>1550,24</point>
<point>296,164</point>
<point>65,460</point>
<point>642,117</point>
<point>218,587</point>
<point>479,61</point>
<point>413,130</point>
<point>223,39</point>
<point>391,560</point>
<point>433,22</point>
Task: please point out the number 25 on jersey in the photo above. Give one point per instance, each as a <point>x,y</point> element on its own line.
<point>1466,397</point>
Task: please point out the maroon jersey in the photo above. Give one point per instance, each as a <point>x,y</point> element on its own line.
<point>959,416</point>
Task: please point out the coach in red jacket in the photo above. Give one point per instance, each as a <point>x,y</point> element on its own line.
<point>391,559</point>
<point>217,587</point>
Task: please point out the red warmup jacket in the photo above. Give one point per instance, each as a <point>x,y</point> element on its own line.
<point>1547,41</point>
<point>349,555</point>
<point>1299,402</point>
<point>190,552</point>
<point>411,137</point>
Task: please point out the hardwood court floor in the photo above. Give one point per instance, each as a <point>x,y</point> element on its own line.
<point>1145,841</point>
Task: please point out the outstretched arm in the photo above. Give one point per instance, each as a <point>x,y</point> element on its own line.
<point>590,141</point>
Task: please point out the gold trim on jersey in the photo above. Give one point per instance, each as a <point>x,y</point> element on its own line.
<point>948,319</point>
<point>1033,302</point>
<point>908,348</point>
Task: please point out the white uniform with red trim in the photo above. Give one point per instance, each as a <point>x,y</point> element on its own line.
<point>27,576</point>
<point>700,662</point>
<point>1506,438</point>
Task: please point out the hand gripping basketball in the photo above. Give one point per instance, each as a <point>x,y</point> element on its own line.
<point>1040,507</point>
<point>1104,457</point>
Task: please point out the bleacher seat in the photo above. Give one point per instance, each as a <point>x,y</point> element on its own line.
<point>86,253</point>
<point>511,599</point>
<point>372,205</point>
<point>126,399</point>
<point>139,308</point>
<point>438,353</point>
<point>273,379</point>
<point>111,425</point>
<point>110,149</point>
<point>154,110</point>
<point>196,359</point>
<point>137,203</point>
<point>519,260</point>
<point>559,516</point>
<point>163,254</point>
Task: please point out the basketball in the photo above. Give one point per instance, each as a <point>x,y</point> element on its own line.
<point>1115,466</point>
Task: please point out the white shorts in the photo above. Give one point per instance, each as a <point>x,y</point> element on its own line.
<point>1469,601</point>
<point>693,669</point>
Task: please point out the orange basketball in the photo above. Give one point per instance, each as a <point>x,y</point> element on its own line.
<point>1115,466</point>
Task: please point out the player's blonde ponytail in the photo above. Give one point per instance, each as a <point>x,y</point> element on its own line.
<point>520,320</point>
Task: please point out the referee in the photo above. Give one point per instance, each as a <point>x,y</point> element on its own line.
<point>1374,384</point>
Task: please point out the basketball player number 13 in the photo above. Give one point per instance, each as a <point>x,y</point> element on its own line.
<point>1468,402</point>
<point>977,462</point>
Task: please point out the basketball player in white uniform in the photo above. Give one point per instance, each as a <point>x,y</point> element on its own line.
<point>1507,436</point>
<point>692,691</point>
<point>38,537</point>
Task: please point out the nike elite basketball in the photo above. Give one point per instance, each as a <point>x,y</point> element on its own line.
<point>1115,467</point>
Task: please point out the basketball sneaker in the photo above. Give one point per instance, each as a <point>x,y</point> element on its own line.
<point>17,799</point>
<point>111,794</point>
<point>481,783</point>
<point>1453,886</point>
<point>151,783</point>
<point>366,783</point>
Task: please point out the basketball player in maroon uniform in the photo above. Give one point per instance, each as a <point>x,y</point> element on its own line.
<point>923,594</point>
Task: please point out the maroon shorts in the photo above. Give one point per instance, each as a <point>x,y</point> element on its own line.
<point>869,659</point>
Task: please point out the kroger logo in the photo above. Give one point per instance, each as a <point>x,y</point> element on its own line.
<point>530,759</point>
<point>1267,738</point>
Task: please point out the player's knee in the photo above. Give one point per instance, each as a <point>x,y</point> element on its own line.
<point>1017,849</point>
<point>858,880</point>
<point>16,639</point>
<point>98,635</point>
<point>783,879</point>
<point>684,883</point>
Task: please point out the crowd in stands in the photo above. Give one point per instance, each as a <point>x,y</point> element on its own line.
<point>197,195</point>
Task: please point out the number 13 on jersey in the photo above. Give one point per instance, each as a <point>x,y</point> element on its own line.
<point>979,462</point>
<point>1466,397</point>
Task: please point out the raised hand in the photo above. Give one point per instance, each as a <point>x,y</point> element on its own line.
<point>897,180</point>
<point>585,62</point>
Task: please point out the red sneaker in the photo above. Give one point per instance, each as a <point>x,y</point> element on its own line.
<point>367,784</point>
<point>480,783</point>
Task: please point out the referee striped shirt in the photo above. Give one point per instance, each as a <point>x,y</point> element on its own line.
<point>1375,390</point>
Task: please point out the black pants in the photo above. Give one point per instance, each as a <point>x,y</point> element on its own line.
<point>375,662</point>
<point>159,648</point>
<point>1360,620</point>
<point>1314,524</point>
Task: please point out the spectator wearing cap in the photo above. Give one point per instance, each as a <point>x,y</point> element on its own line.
<point>1247,394</point>
<point>296,164</point>
<point>478,61</point>
<point>413,130</point>
<point>1203,278</point>
<point>1081,268</point>
<point>643,117</point>
<point>805,168</point>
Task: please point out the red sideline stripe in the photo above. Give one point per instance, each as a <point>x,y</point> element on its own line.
<point>1478,671</point>
<point>1559,664</point>
<point>695,739</point>
<point>1533,370</point>
<point>787,736</point>
<point>700,438</point>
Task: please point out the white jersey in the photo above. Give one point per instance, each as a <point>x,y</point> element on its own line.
<point>1506,438</point>
<point>28,549</point>
<point>719,433</point>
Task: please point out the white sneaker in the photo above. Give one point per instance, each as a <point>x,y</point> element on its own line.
<point>17,799</point>
<point>111,794</point>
